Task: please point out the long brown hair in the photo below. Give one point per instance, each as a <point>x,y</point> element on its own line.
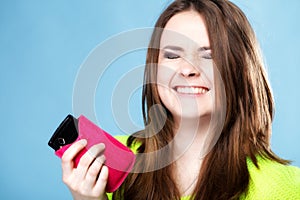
<point>247,128</point>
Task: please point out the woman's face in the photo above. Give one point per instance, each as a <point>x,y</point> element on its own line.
<point>185,67</point>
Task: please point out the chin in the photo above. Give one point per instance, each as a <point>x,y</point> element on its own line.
<point>192,115</point>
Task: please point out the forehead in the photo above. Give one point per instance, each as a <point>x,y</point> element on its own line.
<point>184,28</point>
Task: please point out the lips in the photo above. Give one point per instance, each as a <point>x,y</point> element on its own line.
<point>192,90</point>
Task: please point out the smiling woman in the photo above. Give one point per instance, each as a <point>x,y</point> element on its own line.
<point>182,79</point>
<point>204,76</point>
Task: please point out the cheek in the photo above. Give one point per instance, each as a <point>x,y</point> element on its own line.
<point>166,93</point>
<point>206,69</point>
<point>164,75</point>
<point>169,99</point>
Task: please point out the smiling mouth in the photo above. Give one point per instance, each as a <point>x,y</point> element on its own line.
<point>191,90</point>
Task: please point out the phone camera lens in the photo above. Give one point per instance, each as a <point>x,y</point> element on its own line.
<point>61,141</point>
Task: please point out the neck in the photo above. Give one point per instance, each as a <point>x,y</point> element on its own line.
<point>189,146</point>
<point>190,135</point>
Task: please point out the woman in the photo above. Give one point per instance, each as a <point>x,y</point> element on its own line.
<point>215,108</point>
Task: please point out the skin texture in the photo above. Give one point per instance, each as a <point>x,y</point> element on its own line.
<point>185,62</point>
<point>190,67</point>
<point>184,54</point>
<point>88,180</point>
<point>240,117</point>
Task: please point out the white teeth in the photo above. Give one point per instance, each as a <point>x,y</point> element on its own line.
<point>191,90</point>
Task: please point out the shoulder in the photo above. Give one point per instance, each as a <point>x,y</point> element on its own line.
<point>123,139</point>
<point>273,180</point>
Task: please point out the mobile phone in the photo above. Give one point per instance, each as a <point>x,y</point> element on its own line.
<point>66,133</point>
<point>119,158</point>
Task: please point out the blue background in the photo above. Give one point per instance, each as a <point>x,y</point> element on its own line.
<point>43,44</point>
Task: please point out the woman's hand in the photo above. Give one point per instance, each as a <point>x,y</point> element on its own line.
<point>89,179</point>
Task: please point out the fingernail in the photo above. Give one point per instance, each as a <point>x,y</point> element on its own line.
<point>83,142</point>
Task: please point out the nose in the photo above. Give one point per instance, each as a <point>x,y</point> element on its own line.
<point>188,70</point>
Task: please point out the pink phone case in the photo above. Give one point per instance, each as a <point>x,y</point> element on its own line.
<point>119,158</point>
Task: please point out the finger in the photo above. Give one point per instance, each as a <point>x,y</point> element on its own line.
<point>102,180</point>
<point>87,159</point>
<point>94,171</point>
<point>70,154</point>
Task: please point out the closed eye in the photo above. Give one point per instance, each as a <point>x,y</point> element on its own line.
<point>206,56</point>
<point>170,55</point>
<point>205,52</point>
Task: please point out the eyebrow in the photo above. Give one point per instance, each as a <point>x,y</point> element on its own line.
<point>177,48</point>
<point>174,48</point>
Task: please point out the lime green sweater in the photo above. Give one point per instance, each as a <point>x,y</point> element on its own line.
<point>272,181</point>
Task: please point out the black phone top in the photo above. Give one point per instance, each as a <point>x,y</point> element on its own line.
<point>66,133</point>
